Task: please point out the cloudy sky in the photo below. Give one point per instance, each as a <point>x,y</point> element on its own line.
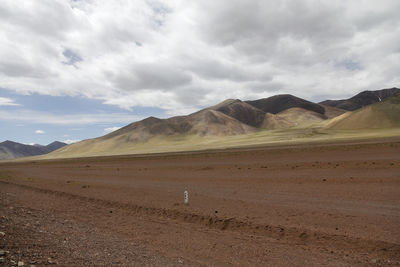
<point>76,69</point>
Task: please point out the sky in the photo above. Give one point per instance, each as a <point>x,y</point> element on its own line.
<point>77,69</point>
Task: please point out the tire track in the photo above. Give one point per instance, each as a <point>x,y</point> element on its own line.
<point>289,235</point>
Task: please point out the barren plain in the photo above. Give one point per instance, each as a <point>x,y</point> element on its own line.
<point>331,204</point>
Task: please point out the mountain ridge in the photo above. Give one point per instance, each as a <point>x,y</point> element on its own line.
<point>362,99</point>
<point>11,150</point>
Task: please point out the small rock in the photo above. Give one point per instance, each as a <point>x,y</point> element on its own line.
<point>373,260</point>
<point>50,261</point>
<point>2,234</point>
<point>20,263</point>
<point>12,262</point>
<point>2,260</point>
<point>2,253</point>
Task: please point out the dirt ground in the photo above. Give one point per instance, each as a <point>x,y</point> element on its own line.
<point>317,205</point>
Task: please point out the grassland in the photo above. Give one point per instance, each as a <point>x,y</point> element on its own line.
<point>179,143</point>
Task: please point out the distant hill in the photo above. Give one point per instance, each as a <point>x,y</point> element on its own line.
<point>55,145</point>
<point>12,150</point>
<point>362,99</point>
<point>385,114</point>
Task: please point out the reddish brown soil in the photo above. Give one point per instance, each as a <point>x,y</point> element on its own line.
<point>327,205</point>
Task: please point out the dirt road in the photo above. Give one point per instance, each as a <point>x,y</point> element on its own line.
<point>329,205</point>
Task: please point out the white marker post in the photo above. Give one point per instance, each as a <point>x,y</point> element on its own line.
<point>186,197</point>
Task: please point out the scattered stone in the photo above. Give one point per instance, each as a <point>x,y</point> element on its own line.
<point>50,261</point>
<point>20,263</point>
<point>12,262</point>
<point>2,260</point>
<point>2,234</point>
<point>2,253</point>
<point>373,261</point>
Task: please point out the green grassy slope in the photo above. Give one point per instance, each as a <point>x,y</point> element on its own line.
<point>384,114</point>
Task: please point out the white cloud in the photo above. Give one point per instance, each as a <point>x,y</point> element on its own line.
<point>182,55</point>
<point>111,129</point>
<point>4,101</point>
<point>31,116</point>
<point>69,141</point>
<point>39,132</point>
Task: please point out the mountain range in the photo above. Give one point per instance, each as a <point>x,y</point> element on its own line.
<point>233,117</point>
<point>12,150</point>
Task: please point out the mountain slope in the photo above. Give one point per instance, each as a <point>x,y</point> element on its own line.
<point>12,150</point>
<point>278,103</point>
<point>299,117</point>
<point>241,111</point>
<point>362,99</point>
<point>204,123</point>
<point>385,114</point>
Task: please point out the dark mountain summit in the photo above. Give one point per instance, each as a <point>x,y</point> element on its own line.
<point>55,145</point>
<point>278,103</point>
<point>362,99</point>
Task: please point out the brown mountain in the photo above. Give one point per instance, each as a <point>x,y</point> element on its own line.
<point>156,132</point>
<point>362,99</point>
<point>241,111</point>
<point>203,123</point>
